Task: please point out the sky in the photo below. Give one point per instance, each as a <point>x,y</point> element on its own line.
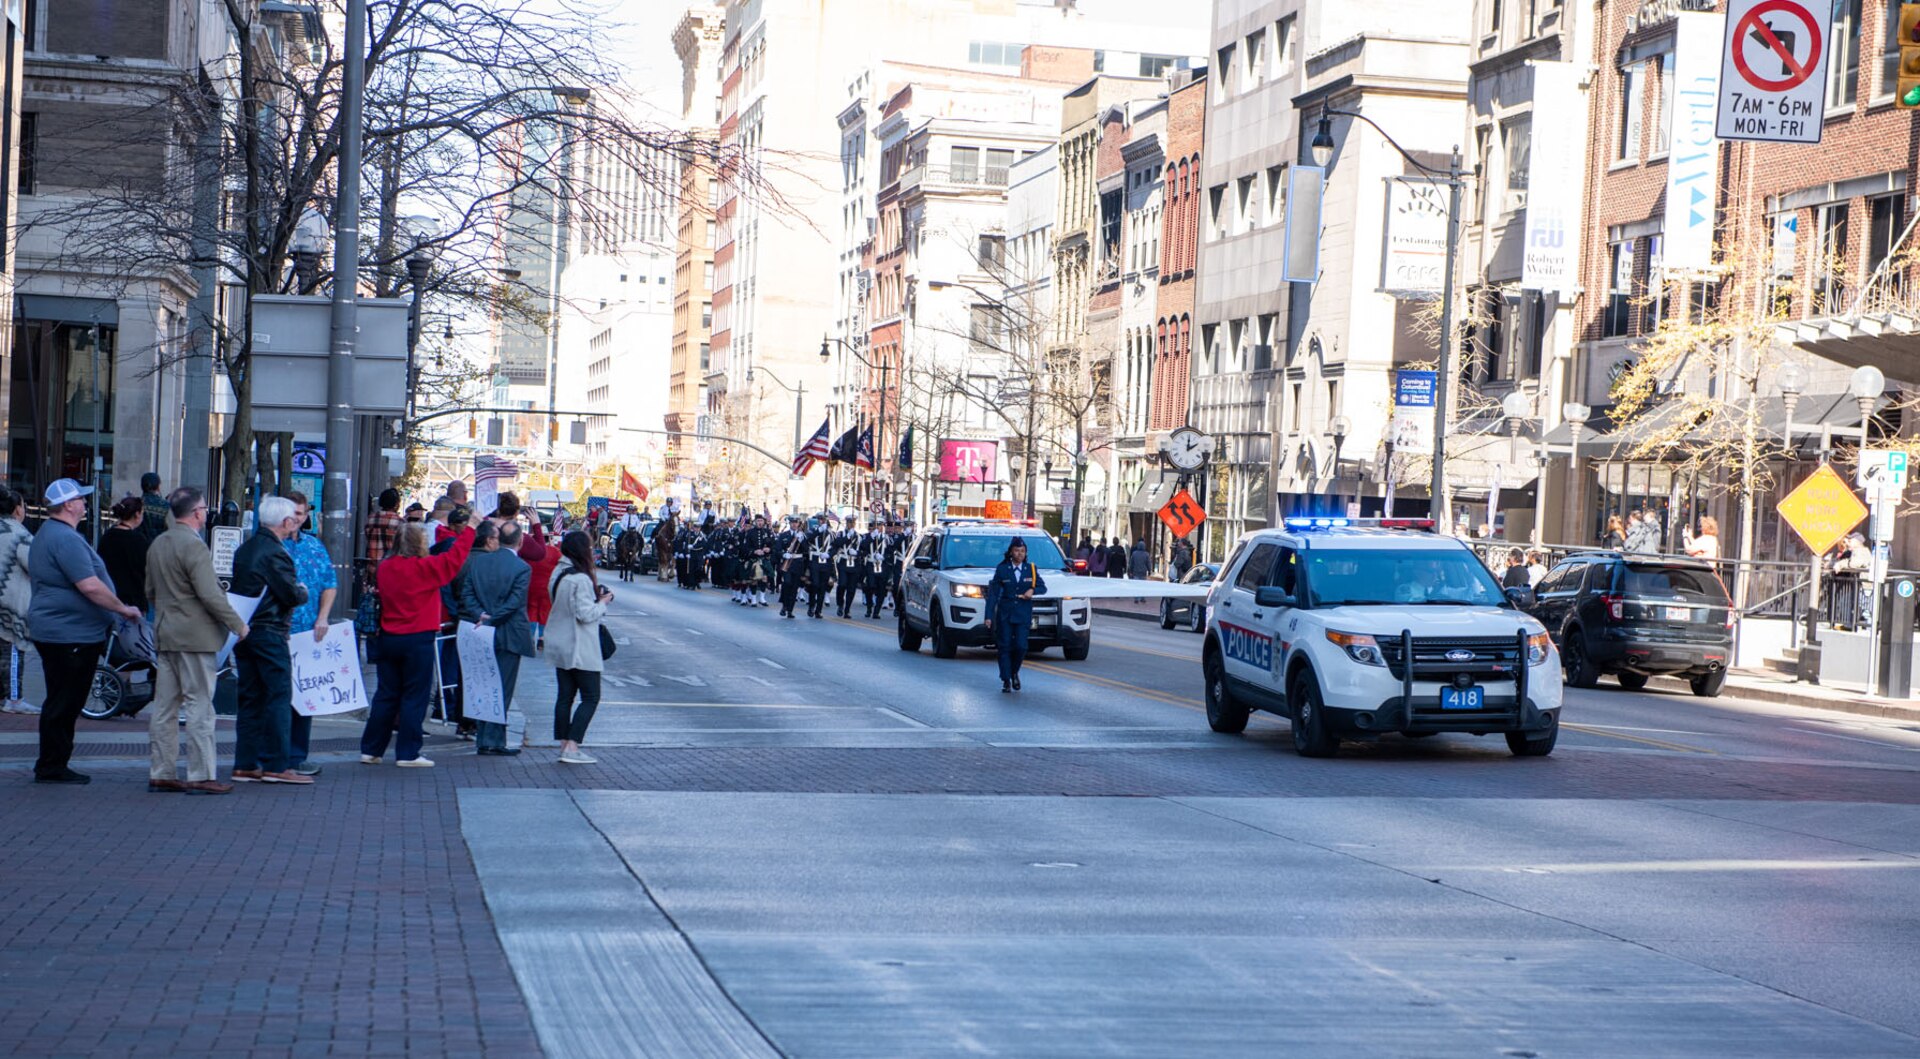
<point>644,41</point>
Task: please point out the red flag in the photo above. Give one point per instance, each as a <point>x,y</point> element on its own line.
<point>630,484</point>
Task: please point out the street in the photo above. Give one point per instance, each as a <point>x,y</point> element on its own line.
<point>801,841</point>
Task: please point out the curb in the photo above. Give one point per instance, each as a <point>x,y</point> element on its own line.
<point>1783,697</point>
<point>1112,612</point>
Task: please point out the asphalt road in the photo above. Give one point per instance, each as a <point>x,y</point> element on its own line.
<point>835,848</point>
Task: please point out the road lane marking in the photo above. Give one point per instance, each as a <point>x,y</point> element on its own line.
<point>1195,659</point>
<point>1661,731</point>
<point>1702,865</point>
<point>695,631</point>
<point>1661,743</point>
<point>1854,739</point>
<point>771,662</point>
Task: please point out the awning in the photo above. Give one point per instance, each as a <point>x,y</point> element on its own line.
<point>60,309</point>
<point>1887,341</point>
<point>1602,438</point>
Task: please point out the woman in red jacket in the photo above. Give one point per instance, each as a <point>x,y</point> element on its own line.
<point>543,557</point>
<point>410,581</point>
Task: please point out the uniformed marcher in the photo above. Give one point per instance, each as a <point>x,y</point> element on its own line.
<point>693,557</point>
<point>790,552</point>
<point>873,567</point>
<point>758,552</point>
<point>846,568</point>
<point>899,539</point>
<point>1010,610</point>
<point>819,567</point>
<point>719,553</point>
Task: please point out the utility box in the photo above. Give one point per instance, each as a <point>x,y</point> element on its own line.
<point>291,334</point>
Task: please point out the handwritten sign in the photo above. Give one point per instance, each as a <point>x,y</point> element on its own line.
<point>481,696</point>
<point>326,673</point>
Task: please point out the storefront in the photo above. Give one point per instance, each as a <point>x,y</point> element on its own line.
<point>61,414</point>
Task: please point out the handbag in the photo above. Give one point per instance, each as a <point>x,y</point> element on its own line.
<point>366,616</point>
<point>607,646</point>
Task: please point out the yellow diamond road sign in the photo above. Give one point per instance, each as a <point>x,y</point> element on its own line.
<point>1822,509</point>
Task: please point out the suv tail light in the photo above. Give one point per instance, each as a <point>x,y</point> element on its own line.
<point>1616,607</point>
<point>1079,566</point>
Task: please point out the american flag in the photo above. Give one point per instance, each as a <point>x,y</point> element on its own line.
<point>488,468</point>
<point>619,508</point>
<point>815,449</point>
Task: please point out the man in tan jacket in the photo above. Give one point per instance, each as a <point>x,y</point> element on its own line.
<point>191,621</point>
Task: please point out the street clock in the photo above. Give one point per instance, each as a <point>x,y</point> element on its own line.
<point>1186,449</point>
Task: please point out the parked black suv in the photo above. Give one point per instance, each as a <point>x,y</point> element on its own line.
<point>1637,616</point>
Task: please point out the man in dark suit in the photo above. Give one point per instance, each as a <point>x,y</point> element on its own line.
<point>263,567</point>
<point>493,592</point>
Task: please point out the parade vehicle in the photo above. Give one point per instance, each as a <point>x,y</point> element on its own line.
<point>1637,616</point>
<point>942,593</point>
<point>1357,628</point>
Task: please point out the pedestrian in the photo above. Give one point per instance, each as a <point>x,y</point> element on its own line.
<point>263,567</point>
<point>1706,543</point>
<point>1010,610</point>
<point>442,511</point>
<point>70,614</point>
<point>1615,537</point>
<point>1116,558</point>
<point>382,526</point>
<point>1096,558</point>
<point>541,557</point>
<point>493,592</point>
<point>1182,560</point>
<point>191,621</point>
<point>315,569</point>
<point>1515,575</point>
<point>16,598</point>
<point>416,513</point>
<point>1139,560</point>
<point>573,644</point>
<point>153,506</point>
<point>123,547</point>
<point>1086,549</point>
<point>1536,568</point>
<point>409,582</point>
<point>457,492</point>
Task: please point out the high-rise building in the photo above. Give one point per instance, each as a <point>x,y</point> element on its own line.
<point>697,42</point>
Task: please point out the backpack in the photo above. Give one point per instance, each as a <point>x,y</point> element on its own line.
<point>16,586</point>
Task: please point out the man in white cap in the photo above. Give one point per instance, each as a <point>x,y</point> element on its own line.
<point>71,614</point>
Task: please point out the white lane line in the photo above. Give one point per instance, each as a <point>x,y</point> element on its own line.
<point>889,711</point>
<point>1854,739</point>
<point>695,631</point>
<point>762,681</point>
<point>692,682</point>
<point>664,640</point>
<point>1630,728</point>
<point>770,662</point>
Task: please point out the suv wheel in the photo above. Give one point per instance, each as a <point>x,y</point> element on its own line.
<point>1581,672</point>
<point>943,645</point>
<point>1708,685</point>
<point>1311,737</point>
<point>1074,653</point>
<point>1633,681</point>
<point>1224,713</point>
<point>909,640</point>
<point>1524,747</point>
<point>1166,614</point>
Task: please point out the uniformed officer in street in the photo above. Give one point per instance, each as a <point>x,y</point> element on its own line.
<point>790,563</point>
<point>819,565</point>
<point>846,568</point>
<point>899,539</point>
<point>692,547</point>
<point>873,566</point>
<point>759,559</point>
<point>719,552</point>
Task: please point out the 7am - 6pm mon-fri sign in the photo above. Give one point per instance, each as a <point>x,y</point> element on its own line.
<point>1773,71</point>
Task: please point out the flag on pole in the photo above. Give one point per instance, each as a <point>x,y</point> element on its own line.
<point>630,484</point>
<point>815,449</point>
<point>846,447</point>
<point>863,456</point>
<point>619,508</point>
<point>906,448</point>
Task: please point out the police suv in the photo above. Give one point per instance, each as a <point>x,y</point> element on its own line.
<point>943,589</point>
<point>1351,628</point>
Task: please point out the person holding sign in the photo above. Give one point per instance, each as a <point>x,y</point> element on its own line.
<point>315,569</point>
<point>1010,610</point>
<point>263,567</point>
<point>493,592</point>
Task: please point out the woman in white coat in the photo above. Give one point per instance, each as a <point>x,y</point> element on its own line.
<point>573,643</point>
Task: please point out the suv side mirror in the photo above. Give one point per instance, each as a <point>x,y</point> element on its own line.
<point>923,562</point>
<point>1272,596</point>
<point>1521,598</point>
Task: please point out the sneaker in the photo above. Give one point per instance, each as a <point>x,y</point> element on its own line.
<point>290,778</point>
<point>369,759</point>
<point>306,768</point>
<point>247,775</point>
<point>19,706</point>
<point>578,757</point>
<point>415,763</point>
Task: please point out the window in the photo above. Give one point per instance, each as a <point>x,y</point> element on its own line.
<point>1656,281</point>
<point>1294,418</point>
<point>1263,350</point>
<point>706,316</point>
<point>1663,106</point>
<point>992,251</point>
<point>982,327</point>
<point>1216,209</point>
<point>1276,194</point>
<point>709,275</point>
<point>1225,76</point>
<point>1518,134</point>
<point>1251,68</point>
<point>1156,65</point>
<point>1209,342</point>
<point>1283,46</point>
<point>1784,230</point>
<point>29,144</point>
<point>1632,88</point>
<point>1619,315</point>
<point>964,164</point>
<point>1886,220</point>
<point>1830,258</point>
<point>1246,204</point>
<point>1843,67</point>
<point>1253,573</point>
<point>999,160</point>
<point>1495,11</point>
<point>1702,299</point>
<point>706,356</point>
<point>1890,48</point>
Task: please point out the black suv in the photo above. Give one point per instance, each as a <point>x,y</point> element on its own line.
<point>1637,616</point>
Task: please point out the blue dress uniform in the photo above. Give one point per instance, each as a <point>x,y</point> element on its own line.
<point>819,571</point>
<point>846,570</point>
<point>790,551</point>
<point>1012,616</point>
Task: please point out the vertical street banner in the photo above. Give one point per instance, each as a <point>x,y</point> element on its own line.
<point>1773,70</point>
<point>1555,182</point>
<point>481,696</point>
<point>1414,405</point>
<point>1306,186</point>
<point>326,673</point>
<point>1693,164</point>
<point>1416,254</point>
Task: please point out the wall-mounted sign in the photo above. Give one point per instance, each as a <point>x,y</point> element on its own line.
<point>964,460</point>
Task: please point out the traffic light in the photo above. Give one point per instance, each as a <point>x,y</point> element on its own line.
<point>1907,94</point>
<point>553,430</point>
<point>473,428</point>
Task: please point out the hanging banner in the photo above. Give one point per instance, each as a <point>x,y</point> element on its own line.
<point>1414,394</point>
<point>1693,166</point>
<point>326,673</point>
<point>1555,180</point>
<point>1416,254</point>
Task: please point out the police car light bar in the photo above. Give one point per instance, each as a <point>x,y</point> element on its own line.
<point>1378,523</point>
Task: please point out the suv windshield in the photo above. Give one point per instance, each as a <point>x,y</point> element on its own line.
<point>962,549</point>
<point>1427,575</point>
<point>1673,582</point>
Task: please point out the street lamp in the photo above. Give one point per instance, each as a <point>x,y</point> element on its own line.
<point>1453,179</point>
<point>799,397</point>
<point>1338,427</point>
<point>309,237</point>
<point>827,343</point>
<point>421,228</point>
<point>1867,386</point>
<point>1793,382</point>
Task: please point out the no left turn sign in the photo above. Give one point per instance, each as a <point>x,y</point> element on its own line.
<point>1773,71</point>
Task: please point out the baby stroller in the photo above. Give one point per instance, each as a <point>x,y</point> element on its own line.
<point>122,684</point>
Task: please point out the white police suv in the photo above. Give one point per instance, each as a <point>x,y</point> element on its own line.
<point>943,590</point>
<point>1352,628</point>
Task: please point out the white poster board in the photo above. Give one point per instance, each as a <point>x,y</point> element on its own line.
<point>326,673</point>
<point>243,606</point>
<point>481,696</point>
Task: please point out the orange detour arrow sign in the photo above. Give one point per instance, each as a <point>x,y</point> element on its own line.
<point>1822,509</point>
<point>1183,514</point>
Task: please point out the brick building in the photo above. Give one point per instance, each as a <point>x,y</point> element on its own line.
<point>1180,222</point>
